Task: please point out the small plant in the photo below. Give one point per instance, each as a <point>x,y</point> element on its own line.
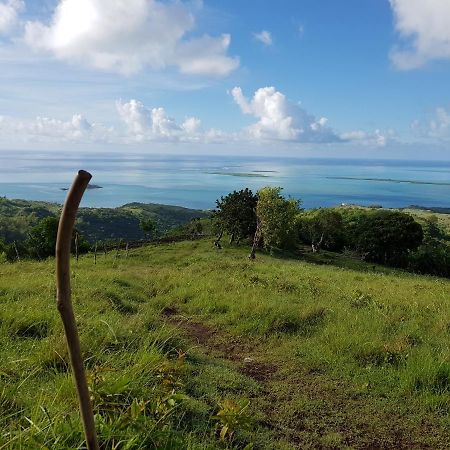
<point>232,416</point>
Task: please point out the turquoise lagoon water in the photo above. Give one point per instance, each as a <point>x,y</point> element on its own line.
<point>197,181</point>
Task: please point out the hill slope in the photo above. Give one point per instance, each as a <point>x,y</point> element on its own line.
<point>18,216</point>
<point>327,357</point>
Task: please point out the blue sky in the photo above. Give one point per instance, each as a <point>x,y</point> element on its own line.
<point>365,78</point>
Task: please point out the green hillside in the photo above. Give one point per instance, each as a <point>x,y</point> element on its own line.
<point>190,347</point>
<point>17,217</point>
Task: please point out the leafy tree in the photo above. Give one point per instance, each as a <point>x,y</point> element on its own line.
<point>149,228</point>
<point>384,236</point>
<point>321,228</point>
<point>2,246</point>
<point>41,239</point>
<point>235,214</point>
<point>276,217</point>
<point>195,227</point>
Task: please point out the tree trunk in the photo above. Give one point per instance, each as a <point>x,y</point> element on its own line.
<point>316,246</point>
<point>217,241</point>
<point>17,251</point>
<point>256,239</point>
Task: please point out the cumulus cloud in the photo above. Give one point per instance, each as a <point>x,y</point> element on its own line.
<point>46,129</point>
<point>436,127</point>
<point>264,36</point>
<point>424,26</point>
<point>9,11</point>
<point>278,118</point>
<point>145,124</point>
<point>126,36</point>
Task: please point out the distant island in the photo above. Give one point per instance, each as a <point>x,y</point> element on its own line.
<point>239,174</point>
<point>89,186</point>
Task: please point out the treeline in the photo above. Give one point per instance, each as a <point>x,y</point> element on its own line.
<point>269,220</point>
<point>40,242</point>
<point>18,217</point>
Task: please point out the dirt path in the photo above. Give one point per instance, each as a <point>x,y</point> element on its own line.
<point>309,409</point>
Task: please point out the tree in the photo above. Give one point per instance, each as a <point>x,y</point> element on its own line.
<point>235,214</point>
<point>384,236</point>
<point>276,219</point>
<point>149,227</point>
<point>41,239</point>
<point>321,228</point>
<point>195,227</point>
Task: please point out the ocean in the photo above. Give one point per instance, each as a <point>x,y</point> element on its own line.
<point>196,181</point>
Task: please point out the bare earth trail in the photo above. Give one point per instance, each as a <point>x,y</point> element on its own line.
<point>307,409</point>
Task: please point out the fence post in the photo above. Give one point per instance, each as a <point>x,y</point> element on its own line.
<point>64,303</point>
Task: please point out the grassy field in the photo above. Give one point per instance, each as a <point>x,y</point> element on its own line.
<point>189,347</point>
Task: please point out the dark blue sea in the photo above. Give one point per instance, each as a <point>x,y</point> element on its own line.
<point>197,181</point>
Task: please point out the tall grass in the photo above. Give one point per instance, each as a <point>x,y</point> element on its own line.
<point>384,336</point>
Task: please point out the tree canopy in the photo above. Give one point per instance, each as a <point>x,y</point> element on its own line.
<point>276,217</point>
<point>236,214</point>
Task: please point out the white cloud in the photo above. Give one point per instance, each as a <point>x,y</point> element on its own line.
<point>436,127</point>
<point>425,26</point>
<point>264,36</point>
<point>145,124</point>
<point>191,125</point>
<point>126,36</point>
<point>281,119</point>
<point>9,10</point>
<point>45,129</point>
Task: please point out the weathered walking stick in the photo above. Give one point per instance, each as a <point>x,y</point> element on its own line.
<point>64,302</point>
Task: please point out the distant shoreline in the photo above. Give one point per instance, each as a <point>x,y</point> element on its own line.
<point>391,180</point>
<point>433,209</point>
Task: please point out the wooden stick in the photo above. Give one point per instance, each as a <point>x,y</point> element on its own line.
<point>64,302</point>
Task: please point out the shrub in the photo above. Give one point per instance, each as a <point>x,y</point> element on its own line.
<point>385,237</point>
<point>433,257</point>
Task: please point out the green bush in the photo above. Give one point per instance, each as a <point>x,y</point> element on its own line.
<point>433,257</point>
<point>382,236</point>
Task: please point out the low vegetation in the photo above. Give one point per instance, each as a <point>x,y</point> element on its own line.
<point>188,346</point>
<point>328,336</point>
